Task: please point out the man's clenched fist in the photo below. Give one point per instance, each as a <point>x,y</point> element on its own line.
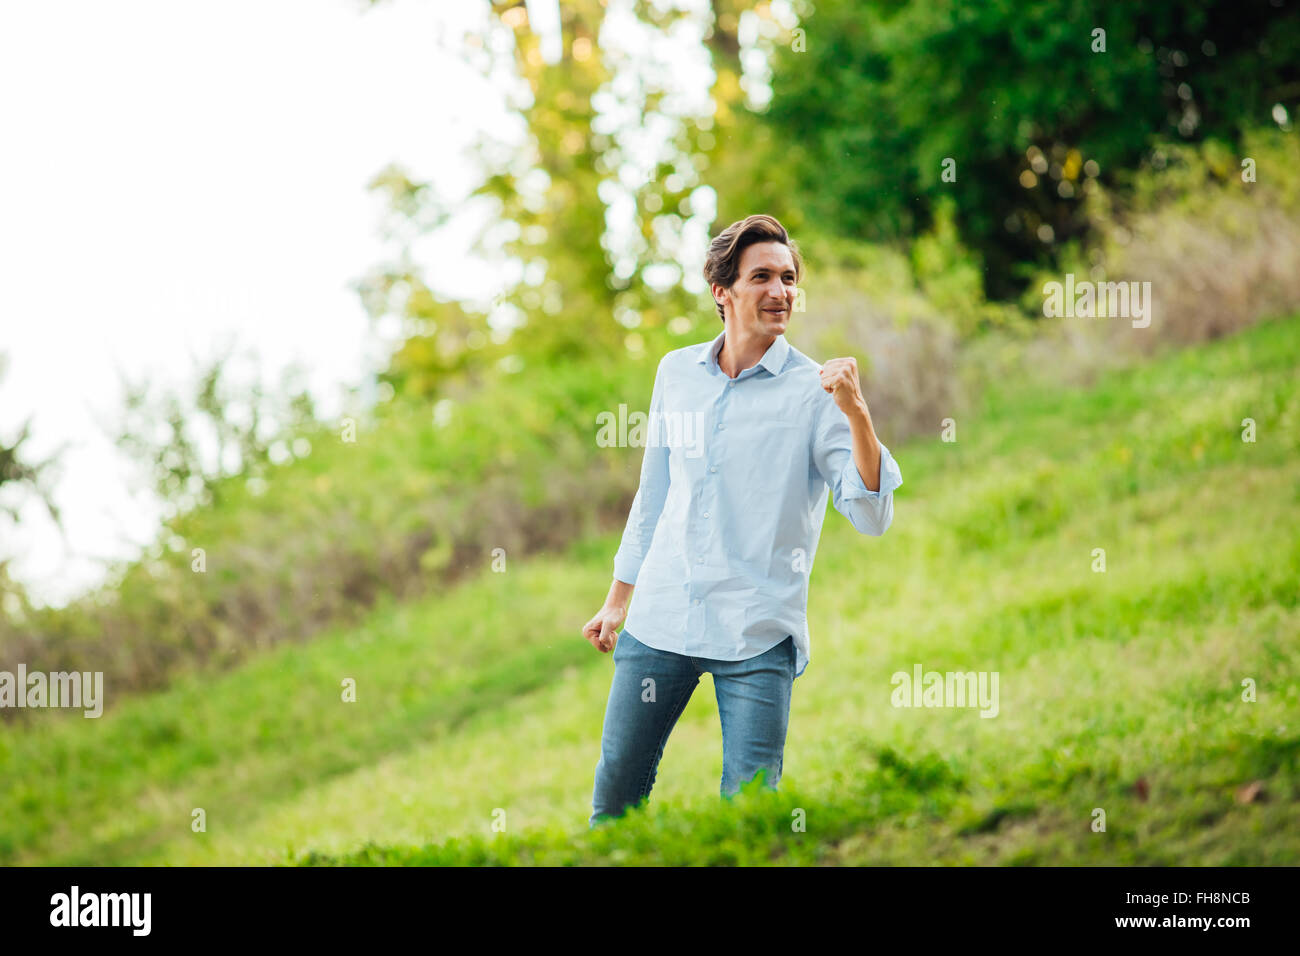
<point>840,378</point>
<point>602,630</point>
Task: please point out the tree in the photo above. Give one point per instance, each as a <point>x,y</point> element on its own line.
<point>601,217</point>
<point>31,476</point>
<point>188,445</point>
<point>1029,102</point>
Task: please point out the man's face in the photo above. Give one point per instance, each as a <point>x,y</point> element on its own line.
<point>762,297</point>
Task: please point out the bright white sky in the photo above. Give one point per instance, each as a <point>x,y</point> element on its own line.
<point>175,175</point>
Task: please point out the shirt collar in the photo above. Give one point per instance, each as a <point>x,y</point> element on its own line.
<point>773,359</point>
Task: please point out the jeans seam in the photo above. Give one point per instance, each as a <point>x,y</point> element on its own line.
<point>781,758</point>
<point>668,729</point>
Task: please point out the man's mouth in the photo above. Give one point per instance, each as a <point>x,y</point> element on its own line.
<point>775,311</point>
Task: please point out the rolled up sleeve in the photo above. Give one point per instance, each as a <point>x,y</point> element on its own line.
<point>870,512</point>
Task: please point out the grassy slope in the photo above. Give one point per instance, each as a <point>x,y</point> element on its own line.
<point>486,699</point>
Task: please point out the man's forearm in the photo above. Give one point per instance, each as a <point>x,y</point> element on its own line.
<point>866,448</point>
<point>620,592</point>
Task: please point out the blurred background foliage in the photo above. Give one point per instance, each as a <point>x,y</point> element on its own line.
<point>1024,98</point>
<point>834,116</point>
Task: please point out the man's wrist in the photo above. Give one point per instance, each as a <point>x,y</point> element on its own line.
<point>620,593</point>
<point>859,414</point>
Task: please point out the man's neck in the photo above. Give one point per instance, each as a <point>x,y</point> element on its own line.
<point>741,351</point>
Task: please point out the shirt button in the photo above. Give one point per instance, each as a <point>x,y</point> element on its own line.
<point>713,467</point>
<point>731,383</point>
<point>696,602</point>
<point>721,426</point>
<point>706,514</point>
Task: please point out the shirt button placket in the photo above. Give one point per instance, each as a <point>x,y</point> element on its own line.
<point>719,407</point>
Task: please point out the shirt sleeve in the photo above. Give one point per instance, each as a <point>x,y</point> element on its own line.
<point>651,493</point>
<point>870,512</point>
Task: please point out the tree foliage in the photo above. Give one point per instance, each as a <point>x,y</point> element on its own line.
<point>18,472</point>
<point>877,94</point>
<point>188,444</point>
<point>601,222</point>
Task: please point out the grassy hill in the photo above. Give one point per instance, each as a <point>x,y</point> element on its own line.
<point>1119,690</point>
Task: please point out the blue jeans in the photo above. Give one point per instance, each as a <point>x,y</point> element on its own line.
<point>753,704</point>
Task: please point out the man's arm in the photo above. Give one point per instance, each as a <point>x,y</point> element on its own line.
<point>650,496</point>
<point>620,593</point>
<point>639,532</point>
<point>857,466</point>
<point>866,447</point>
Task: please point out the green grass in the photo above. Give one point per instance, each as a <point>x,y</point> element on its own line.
<point>484,704</point>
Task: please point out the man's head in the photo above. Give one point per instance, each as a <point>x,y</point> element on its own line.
<point>752,269</point>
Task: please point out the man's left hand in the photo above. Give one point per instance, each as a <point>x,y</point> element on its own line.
<point>840,378</point>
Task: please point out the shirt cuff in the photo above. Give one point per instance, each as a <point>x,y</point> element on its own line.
<point>627,568</point>
<point>852,485</point>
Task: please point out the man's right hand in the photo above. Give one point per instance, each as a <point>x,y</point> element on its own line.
<point>602,630</point>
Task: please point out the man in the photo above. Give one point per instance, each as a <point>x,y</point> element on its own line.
<point>721,537</point>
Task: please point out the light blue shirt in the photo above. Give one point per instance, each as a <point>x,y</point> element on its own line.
<point>722,533</point>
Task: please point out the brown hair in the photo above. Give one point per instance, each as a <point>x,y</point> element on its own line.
<point>723,262</point>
